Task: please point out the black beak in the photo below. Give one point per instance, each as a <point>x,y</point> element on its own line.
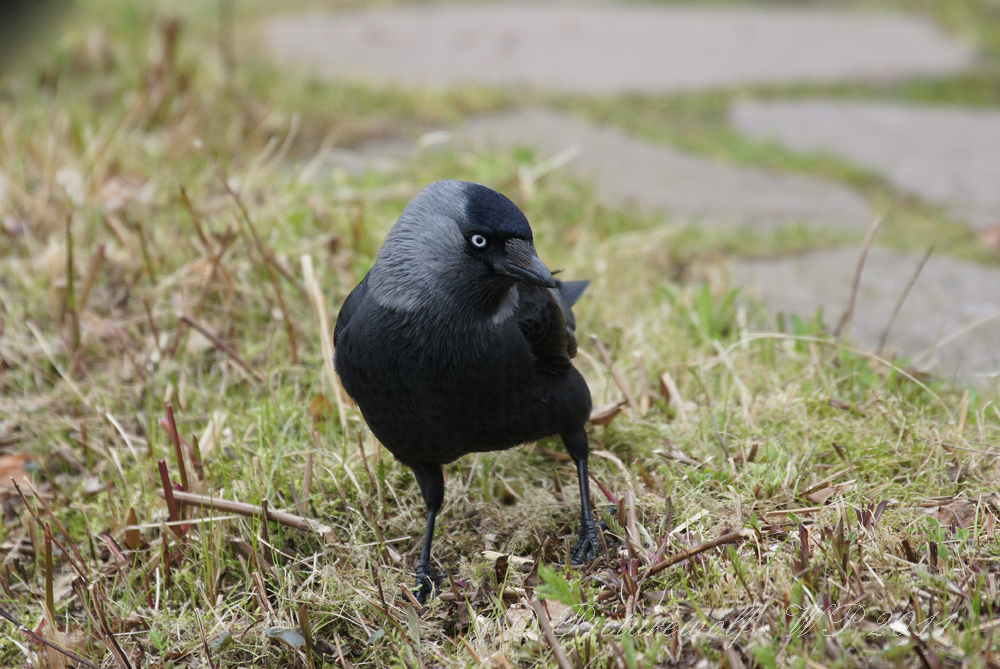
<point>521,262</point>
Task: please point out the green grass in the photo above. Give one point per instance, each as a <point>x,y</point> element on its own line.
<point>783,435</point>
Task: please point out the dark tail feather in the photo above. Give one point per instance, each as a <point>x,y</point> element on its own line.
<point>570,291</point>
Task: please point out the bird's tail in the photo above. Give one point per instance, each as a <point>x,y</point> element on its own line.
<point>570,291</point>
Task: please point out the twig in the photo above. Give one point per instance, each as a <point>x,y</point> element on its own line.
<point>797,512</point>
<point>176,438</point>
<point>670,392</point>
<point>472,651</point>
<point>730,538</point>
<point>413,600</point>
<point>262,249</point>
<point>344,663</point>
<point>265,537</point>
<point>245,214</point>
<point>551,455</point>
<point>308,477</point>
<point>212,271</point>
<point>249,510</point>
<point>79,563</point>
<point>9,617</point>
<point>849,311</point>
<point>550,637</point>
<point>69,303</point>
<point>223,346</point>
<point>144,248</point>
<point>88,280</point>
<point>168,493</point>
<point>50,607</point>
<point>614,372</point>
<point>902,298</point>
<point>195,218</point>
<point>101,622</point>
<point>204,641</point>
<point>306,626</point>
<point>628,502</point>
<point>607,493</point>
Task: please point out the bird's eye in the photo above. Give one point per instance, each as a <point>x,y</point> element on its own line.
<point>478,241</point>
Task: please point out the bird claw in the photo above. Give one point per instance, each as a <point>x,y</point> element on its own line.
<point>586,547</point>
<point>427,582</point>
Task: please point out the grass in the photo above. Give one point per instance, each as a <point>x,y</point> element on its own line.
<point>853,486</point>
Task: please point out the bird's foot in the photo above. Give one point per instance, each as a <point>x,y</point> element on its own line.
<point>428,581</point>
<point>587,546</point>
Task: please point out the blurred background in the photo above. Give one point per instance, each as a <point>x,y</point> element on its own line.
<point>769,136</point>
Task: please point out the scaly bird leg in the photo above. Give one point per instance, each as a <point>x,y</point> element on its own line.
<point>430,478</point>
<point>588,543</point>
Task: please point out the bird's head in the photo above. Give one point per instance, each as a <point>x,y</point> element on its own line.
<point>498,235</point>
<point>457,238</point>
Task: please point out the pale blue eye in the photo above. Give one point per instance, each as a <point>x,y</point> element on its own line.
<point>478,241</point>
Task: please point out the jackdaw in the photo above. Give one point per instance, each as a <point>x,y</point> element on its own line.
<point>458,340</point>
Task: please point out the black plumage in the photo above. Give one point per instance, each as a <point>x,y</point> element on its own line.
<point>459,340</point>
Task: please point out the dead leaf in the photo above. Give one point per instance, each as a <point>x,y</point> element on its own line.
<point>820,496</point>
<point>521,563</point>
<point>556,611</point>
<point>13,467</point>
<point>605,413</point>
<point>321,409</point>
<point>500,568</point>
<point>288,635</point>
<point>960,512</point>
<point>823,491</point>
<point>519,620</point>
<point>213,430</point>
<point>133,539</point>
<point>220,642</point>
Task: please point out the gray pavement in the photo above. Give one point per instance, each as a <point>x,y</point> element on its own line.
<point>612,48</point>
<point>949,323</point>
<point>689,188</point>
<point>947,155</point>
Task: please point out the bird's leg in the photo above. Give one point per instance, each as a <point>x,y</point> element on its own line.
<point>430,478</point>
<point>586,547</point>
<point>426,575</point>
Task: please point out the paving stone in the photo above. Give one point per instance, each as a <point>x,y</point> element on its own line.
<point>948,155</point>
<point>598,48</point>
<point>938,319</point>
<point>657,178</point>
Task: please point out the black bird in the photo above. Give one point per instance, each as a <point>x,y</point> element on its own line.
<point>458,340</point>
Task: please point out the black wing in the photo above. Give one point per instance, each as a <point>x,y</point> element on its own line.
<point>545,318</point>
<point>349,307</point>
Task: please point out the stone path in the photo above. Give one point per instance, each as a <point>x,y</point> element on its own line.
<point>948,155</point>
<point>949,323</point>
<point>625,170</point>
<point>596,48</point>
